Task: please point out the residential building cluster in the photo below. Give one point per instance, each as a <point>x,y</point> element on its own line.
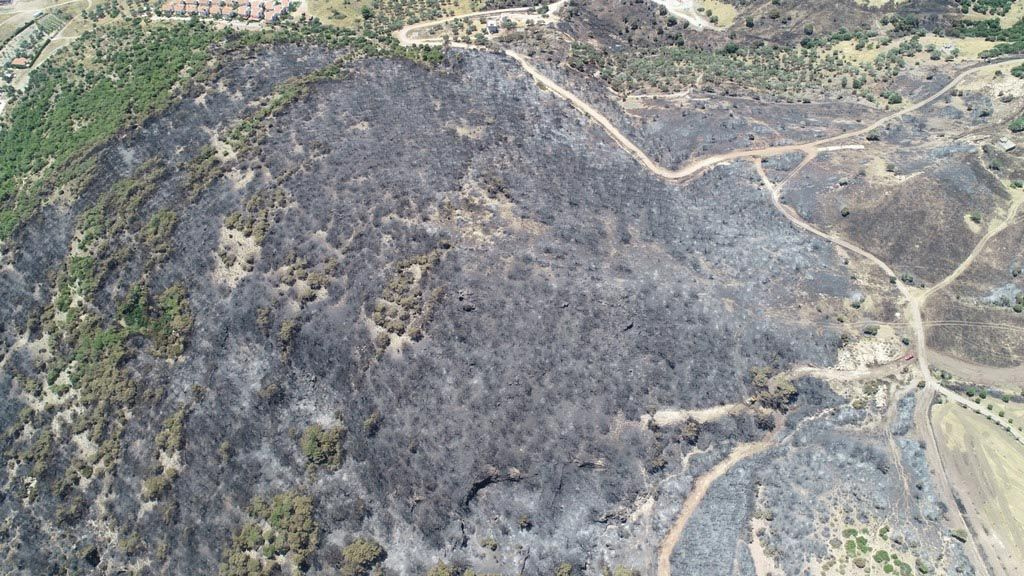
<point>249,10</point>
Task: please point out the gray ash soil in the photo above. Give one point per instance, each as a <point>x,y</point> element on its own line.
<point>820,479</point>
<point>559,292</point>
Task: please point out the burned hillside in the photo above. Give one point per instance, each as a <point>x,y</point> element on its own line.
<point>420,296</point>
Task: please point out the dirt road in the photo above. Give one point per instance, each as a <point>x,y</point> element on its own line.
<point>915,300</point>
<point>810,149</point>
<point>671,416</point>
<point>835,374</point>
<point>692,167</point>
<point>405,36</point>
<point>1011,216</point>
<point>687,10</point>
<point>741,451</point>
<point>694,498</point>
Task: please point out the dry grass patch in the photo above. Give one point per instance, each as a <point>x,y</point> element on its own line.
<point>726,13</point>
<point>988,467</point>
<point>966,49</point>
<point>970,48</point>
<point>879,3</point>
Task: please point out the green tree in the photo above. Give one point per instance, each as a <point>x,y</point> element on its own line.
<point>361,556</point>
<point>324,446</point>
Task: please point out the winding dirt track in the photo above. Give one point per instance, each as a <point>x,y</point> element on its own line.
<point>696,496</point>
<point>700,164</point>
<point>993,231</point>
<point>404,37</point>
<point>915,299</point>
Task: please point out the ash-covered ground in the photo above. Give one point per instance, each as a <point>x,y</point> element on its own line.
<point>481,289</point>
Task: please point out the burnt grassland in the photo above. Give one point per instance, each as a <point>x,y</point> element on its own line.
<point>892,199</point>
<point>981,314</point>
<point>979,317</point>
<point>980,329</point>
<point>893,202</point>
<point>893,213</point>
